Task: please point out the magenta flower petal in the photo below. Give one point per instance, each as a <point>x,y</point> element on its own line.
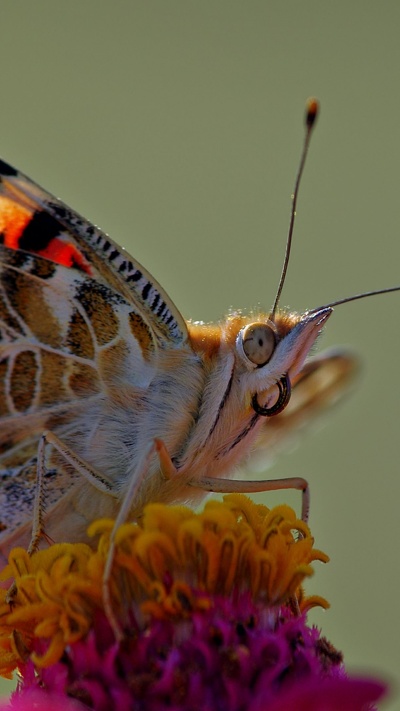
<point>329,695</point>
<point>40,700</point>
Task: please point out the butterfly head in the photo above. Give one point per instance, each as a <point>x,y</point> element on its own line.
<point>270,352</point>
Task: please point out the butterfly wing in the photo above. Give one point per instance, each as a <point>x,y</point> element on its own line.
<point>75,315</point>
<point>71,302</point>
<point>32,220</point>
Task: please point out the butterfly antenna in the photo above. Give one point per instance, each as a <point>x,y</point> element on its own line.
<point>355,297</point>
<point>312,108</point>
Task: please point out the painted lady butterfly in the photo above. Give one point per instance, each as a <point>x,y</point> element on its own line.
<point>94,354</point>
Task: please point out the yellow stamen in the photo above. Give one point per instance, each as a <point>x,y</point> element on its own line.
<point>171,563</point>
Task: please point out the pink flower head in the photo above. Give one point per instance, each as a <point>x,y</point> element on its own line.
<point>211,611</point>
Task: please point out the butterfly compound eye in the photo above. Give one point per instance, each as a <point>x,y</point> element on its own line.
<point>258,341</point>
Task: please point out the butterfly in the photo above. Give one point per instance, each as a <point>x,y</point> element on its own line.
<point>97,364</point>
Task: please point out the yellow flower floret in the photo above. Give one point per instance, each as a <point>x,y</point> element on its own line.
<point>172,562</point>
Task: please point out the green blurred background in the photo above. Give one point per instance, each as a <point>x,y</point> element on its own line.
<point>177,127</point>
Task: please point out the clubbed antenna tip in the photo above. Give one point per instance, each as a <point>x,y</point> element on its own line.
<point>312,111</point>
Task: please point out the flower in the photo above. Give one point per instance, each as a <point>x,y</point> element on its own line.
<point>39,700</point>
<point>201,611</point>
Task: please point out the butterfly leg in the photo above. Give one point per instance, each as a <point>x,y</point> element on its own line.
<point>123,513</point>
<point>168,471</point>
<point>229,486</point>
<point>98,480</point>
<point>241,486</point>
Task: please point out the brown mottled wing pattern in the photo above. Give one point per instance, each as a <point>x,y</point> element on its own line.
<point>71,304</point>
<point>57,327</point>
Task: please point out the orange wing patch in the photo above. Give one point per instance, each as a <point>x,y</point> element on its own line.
<point>13,220</point>
<point>38,233</point>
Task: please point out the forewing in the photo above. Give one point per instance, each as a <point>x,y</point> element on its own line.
<point>33,220</point>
